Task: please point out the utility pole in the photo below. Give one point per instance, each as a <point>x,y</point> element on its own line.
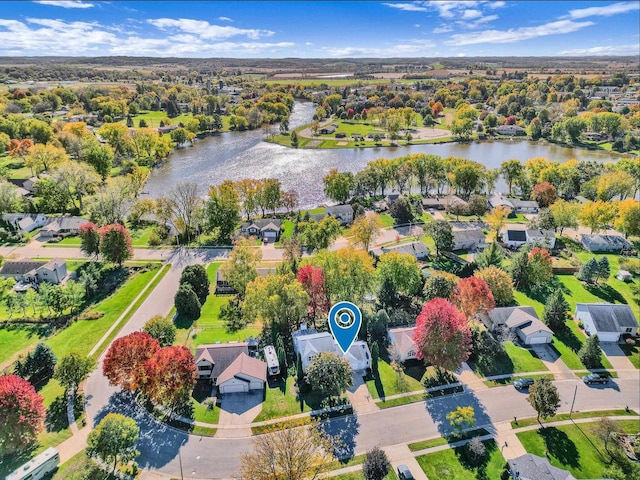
<point>574,401</point>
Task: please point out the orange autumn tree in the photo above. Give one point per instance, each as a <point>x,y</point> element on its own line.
<point>125,363</point>
<point>442,335</point>
<point>22,412</point>
<point>171,375</point>
<point>473,296</point>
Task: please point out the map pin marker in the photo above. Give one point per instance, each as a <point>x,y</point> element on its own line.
<point>345,321</point>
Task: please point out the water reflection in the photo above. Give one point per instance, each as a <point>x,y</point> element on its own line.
<point>238,155</point>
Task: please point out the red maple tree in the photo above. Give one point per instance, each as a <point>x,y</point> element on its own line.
<point>21,412</point>
<point>473,296</point>
<point>545,194</point>
<point>115,243</point>
<point>312,279</point>
<point>171,375</point>
<point>442,335</point>
<point>124,364</point>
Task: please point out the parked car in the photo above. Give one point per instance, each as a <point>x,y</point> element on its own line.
<point>595,378</point>
<point>404,473</point>
<point>523,383</point>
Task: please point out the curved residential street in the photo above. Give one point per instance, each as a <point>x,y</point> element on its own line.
<point>163,450</point>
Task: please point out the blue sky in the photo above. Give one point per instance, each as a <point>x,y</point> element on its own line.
<point>319,29</point>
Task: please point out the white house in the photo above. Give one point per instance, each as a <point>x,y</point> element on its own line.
<point>511,130</point>
<point>402,340</point>
<point>25,222</point>
<point>308,343</point>
<point>607,320</point>
<point>245,374</point>
<point>516,237</point>
<point>415,249</point>
<point>605,243</point>
<point>523,321</point>
<point>31,271</point>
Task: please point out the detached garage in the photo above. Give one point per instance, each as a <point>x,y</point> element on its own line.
<point>243,375</point>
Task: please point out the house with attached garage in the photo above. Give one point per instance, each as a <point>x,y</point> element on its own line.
<point>401,339</point>
<point>57,226</point>
<point>532,467</point>
<point>607,320</point>
<point>31,271</point>
<point>268,228</point>
<point>516,237</point>
<point>522,321</point>
<point>307,342</point>
<point>605,243</point>
<point>229,367</point>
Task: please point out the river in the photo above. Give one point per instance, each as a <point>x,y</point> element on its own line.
<point>238,155</point>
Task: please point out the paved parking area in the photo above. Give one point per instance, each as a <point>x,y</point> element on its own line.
<point>240,408</point>
<point>616,356</point>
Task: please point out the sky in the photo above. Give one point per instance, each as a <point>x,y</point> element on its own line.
<point>327,29</point>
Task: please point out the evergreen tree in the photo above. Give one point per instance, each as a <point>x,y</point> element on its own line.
<point>492,255</point>
<point>604,269</point>
<point>589,271</point>
<point>590,353</point>
<point>388,295</point>
<point>376,465</point>
<point>186,302</point>
<point>555,311</point>
<point>520,269</point>
<point>375,355</point>
<point>299,371</point>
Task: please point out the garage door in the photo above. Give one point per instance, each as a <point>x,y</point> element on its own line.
<point>537,340</point>
<point>270,234</point>
<point>233,388</point>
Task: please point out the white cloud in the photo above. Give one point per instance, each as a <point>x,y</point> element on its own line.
<point>517,34</point>
<point>408,7</point>
<point>225,19</point>
<point>632,49</point>
<point>308,44</point>
<point>606,11</point>
<point>471,14</point>
<point>45,36</point>
<point>207,31</point>
<point>493,5</point>
<point>443,29</point>
<point>416,48</point>
<point>65,3</point>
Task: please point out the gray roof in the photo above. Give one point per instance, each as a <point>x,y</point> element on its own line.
<point>416,249</point>
<point>264,223</point>
<point>472,234</point>
<point>64,223</point>
<point>608,317</point>
<point>338,210</point>
<point>532,467</point>
<point>523,203</point>
<point>500,315</point>
<point>605,242</point>
<point>20,267</point>
<point>221,355</point>
<point>495,200</point>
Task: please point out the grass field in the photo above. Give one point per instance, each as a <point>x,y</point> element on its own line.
<point>524,422</point>
<point>82,335</point>
<point>518,360</point>
<point>281,401</point>
<point>452,463</point>
<point>573,447</point>
<point>209,328</point>
<point>387,383</point>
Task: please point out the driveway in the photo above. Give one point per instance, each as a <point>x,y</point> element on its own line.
<point>619,361</point>
<point>240,408</point>
<point>553,361</point>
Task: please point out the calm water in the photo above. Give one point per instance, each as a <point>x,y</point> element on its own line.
<point>238,155</point>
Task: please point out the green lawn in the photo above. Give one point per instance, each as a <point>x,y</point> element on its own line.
<point>387,383</point>
<point>524,422</point>
<point>82,335</point>
<point>435,442</point>
<point>281,401</point>
<point>501,382</point>
<point>573,447</point>
<point>518,360</point>
<point>83,467</point>
<point>203,412</point>
<point>14,339</point>
<point>360,476</point>
<point>387,220</point>
<point>452,463</point>
<point>633,353</point>
<point>210,327</point>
